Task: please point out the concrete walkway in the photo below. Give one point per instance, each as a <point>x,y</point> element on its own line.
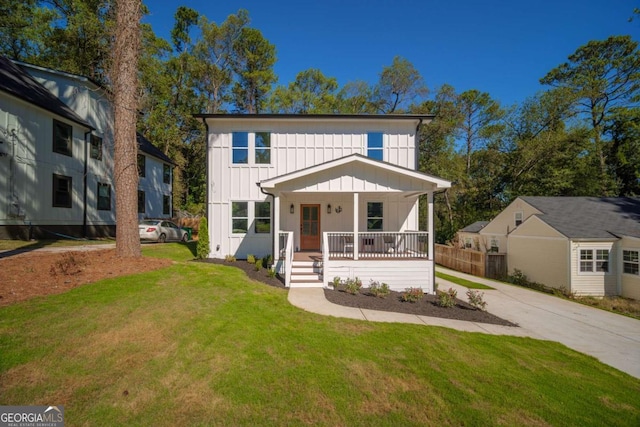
<point>611,338</point>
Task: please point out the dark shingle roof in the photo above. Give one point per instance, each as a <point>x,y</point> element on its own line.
<point>147,147</point>
<point>17,82</point>
<point>590,217</point>
<point>475,227</point>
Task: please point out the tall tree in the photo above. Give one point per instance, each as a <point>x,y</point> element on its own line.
<point>25,29</point>
<point>124,76</point>
<point>623,126</point>
<point>311,93</point>
<point>399,85</point>
<point>602,75</point>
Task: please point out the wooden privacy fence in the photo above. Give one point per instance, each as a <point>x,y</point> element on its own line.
<point>492,266</point>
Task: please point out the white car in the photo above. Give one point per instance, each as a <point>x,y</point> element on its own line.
<point>161,231</point>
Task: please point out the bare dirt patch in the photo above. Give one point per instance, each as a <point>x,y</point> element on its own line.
<point>39,273</point>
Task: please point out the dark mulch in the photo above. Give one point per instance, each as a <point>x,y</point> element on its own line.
<point>392,302</point>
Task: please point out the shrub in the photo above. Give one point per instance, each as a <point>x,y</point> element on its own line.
<point>229,258</point>
<point>202,250</point>
<point>476,299</point>
<point>69,263</point>
<point>258,264</point>
<point>267,261</point>
<point>379,290</point>
<point>271,272</point>
<point>412,294</point>
<point>447,299</point>
<point>251,259</point>
<point>336,282</point>
<point>353,286</point>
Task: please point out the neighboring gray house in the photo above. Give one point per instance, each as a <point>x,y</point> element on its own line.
<point>586,245</point>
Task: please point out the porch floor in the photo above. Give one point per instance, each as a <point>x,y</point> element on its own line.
<point>317,256</point>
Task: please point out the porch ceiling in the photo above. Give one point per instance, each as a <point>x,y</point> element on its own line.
<point>355,173</point>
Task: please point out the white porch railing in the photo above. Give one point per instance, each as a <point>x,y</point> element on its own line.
<point>285,257</point>
<point>368,245</point>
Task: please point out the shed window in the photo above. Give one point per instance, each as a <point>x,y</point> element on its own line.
<point>375,148</point>
<point>62,138</point>
<point>240,147</point>
<point>631,262</point>
<point>239,217</point>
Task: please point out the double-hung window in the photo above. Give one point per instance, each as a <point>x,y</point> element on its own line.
<point>166,204</point>
<point>62,138</point>
<point>263,148</point>
<point>262,216</point>
<point>104,197</point>
<point>96,147</point>
<point>594,260</point>
<point>239,217</point>
<point>375,148</point>
<point>240,147</point>
<point>62,187</point>
<point>166,173</point>
<point>518,218</point>
<point>142,165</point>
<point>631,262</point>
<point>374,216</point>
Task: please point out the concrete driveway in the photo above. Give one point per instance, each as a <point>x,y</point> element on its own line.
<point>611,338</point>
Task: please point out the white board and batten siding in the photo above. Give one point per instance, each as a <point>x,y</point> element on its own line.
<point>399,275</point>
<point>596,283</point>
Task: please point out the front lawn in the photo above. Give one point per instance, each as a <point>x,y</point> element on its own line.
<point>200,344</point>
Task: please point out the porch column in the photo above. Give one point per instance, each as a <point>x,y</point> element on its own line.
<point>356,243</point>
<point>430,226</point>
<point>276,228</point>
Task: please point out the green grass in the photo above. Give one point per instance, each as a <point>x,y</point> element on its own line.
<point>462,282</point>
<point>200,344</point>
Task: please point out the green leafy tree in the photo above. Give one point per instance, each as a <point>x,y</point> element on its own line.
<point>602,76</point>
<point>400,84</point>
<point>311,93</point>
<point>623,126</point>
<point>25,29</point>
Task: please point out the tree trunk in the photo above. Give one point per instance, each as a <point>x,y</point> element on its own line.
<point>124,77</point>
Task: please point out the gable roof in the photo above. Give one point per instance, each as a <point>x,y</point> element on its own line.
<point>147,147</point>
<point>590,217</point>
<point>475,227</point>
<point>15,81</point>
<point>438,183</point>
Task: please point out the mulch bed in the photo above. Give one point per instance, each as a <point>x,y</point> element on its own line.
<point>392,302</point>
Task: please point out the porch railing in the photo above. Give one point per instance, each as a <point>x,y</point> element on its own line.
<point>285,257</point>
<point>376,245</point>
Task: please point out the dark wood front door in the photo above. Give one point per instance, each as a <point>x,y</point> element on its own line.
<point>310,227</point>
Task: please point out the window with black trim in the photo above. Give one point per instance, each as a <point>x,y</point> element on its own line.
<point>141,202</point>
<point>62,138</point>
<point>375,147</point>
<point>240,147</point>
<point>104,197</point>
<point>263,148</point>
<point>166,205</point>
<point>631,262</point>
<point>262,217</point>
<point>166,173</point>
<point>95,147</point>
<point>239,217</point>
<point>62,187</point>
<point>142,165</point>
<point>374,216</point>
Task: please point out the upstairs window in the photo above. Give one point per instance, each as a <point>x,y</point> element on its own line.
<point>518,218</point>
<point>96,147</point>
<point>240,147</point>
<point>631,262</point>
<point>375,149</point>
<point>104,197</point>
<point>166,173</point>
<point>374,216</point>
<point>239,217</point>
<point>262,217</point>
<point>62,186</point>
<point>594,260</point>
<point>263,148</point>
<point>62,138</point>
<point>142,165</point>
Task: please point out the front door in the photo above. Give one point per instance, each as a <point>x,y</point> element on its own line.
<point>310,227</point>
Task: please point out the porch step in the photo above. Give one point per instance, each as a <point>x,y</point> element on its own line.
<point>306,274</point>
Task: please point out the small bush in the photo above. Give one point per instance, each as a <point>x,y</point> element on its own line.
<point>271,273</point>
<point>267,261</point>
<point>476,299</point>
<point>353,286</point>
<point>447,299</point>
<point>229,258</point>
<point>336,283</point>
<point>251,259</point>
<point>412,294</point>
<point>379,290</point>
<point>258,264</point>
<point>202,249</point>
<point>69,263</point>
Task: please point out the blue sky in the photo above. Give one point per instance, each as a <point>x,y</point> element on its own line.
<point>502,47</point>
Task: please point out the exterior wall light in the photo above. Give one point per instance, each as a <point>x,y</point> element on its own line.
<point>329,208</point>
<point>291,208</point>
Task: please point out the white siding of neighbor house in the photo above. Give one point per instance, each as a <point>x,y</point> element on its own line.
<point>597,283</point>
<point>298,145</point>
<point>504,223</point>
<point>417,274</point>
<point>629,283</point>
<point>541,253</point>
<point>29,165</point>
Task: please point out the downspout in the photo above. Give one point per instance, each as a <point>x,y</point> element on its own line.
<point>86,171</point>
<point>272,219</point>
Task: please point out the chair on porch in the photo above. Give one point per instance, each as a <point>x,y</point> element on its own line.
<point>347,243</point>
<point>389,243</point>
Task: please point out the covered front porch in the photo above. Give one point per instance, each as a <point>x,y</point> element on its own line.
<point>353,217</point>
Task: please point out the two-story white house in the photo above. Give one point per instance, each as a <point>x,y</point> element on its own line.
<point>56,133</point>
<point>327,195</point>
